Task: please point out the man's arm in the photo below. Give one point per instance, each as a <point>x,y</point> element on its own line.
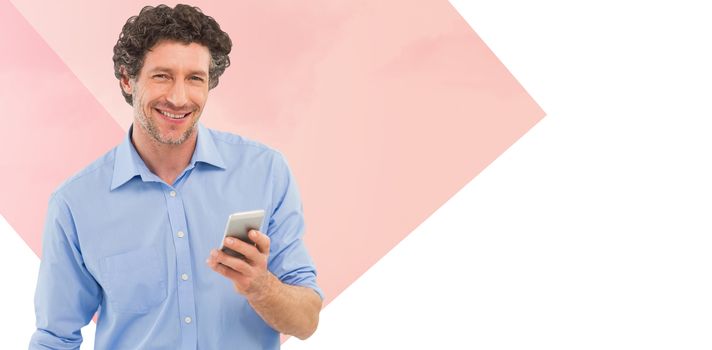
<point>67,295</point>
<point>281,288</point>
<point>292,310</point>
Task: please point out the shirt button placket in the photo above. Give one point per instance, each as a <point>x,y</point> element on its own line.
<point>186,300</point>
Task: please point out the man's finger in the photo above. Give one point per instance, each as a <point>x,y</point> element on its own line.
<point>248,250</point>
<point>225,271</point>
<point>262,241</point>
<point>232,262</point>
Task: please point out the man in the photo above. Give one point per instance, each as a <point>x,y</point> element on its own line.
<point>129,235</point>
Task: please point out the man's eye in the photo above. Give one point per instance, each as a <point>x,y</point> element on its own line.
<point>196,78</point>
<point>160,76</point>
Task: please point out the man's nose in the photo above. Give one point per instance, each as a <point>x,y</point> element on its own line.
<point>177,96</point>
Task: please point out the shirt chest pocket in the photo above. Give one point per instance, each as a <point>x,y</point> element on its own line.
<point>134,281</point>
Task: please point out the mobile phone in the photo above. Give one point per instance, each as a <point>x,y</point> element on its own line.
<point>238,225</point>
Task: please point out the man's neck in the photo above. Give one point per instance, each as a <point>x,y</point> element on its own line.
<point>165,160</point>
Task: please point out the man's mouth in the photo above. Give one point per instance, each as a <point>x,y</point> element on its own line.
<point>171,115</point>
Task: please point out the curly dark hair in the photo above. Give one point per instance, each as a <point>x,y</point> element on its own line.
<point>185,24</point>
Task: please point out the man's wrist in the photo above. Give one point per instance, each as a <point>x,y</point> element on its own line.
<point>265,291</point>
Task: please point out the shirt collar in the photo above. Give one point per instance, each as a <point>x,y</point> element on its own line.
<point>205,150</point>
<point>128,164</point>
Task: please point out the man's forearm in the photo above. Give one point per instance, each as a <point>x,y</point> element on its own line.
<point>292,310</point>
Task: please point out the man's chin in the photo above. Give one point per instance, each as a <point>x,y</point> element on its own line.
<point>175,139</point>
<point>167,140</point>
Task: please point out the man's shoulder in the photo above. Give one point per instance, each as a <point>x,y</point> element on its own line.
<point>230,143</point>
<point>92,177</point>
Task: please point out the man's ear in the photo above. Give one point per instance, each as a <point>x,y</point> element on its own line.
<point>125,81</point>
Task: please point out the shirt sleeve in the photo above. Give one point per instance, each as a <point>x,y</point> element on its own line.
<point>67,295</point>
<point>289,259</point>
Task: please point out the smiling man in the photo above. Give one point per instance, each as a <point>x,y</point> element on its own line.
<point>133,235</point>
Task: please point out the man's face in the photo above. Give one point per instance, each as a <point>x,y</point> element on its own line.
<point>170,91</point>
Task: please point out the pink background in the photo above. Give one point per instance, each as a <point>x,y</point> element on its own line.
<point>383,110</point>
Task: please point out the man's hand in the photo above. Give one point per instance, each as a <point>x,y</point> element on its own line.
<point>250,276</point>
<point>288,309</point>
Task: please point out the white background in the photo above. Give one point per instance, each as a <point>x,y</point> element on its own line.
<point>594,231</point>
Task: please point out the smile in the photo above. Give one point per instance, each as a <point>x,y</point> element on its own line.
<point>171,115</point>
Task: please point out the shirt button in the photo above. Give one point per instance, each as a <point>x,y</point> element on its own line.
<point>180,234</point>
<point>173,193</point>
<point>187,319</point>
<point>184,276</point>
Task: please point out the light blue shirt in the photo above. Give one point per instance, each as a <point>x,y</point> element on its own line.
<point>120,241</point>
